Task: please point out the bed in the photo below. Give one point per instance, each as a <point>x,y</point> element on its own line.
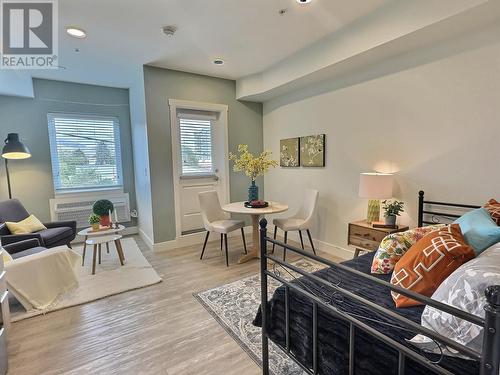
<point>342,320</point>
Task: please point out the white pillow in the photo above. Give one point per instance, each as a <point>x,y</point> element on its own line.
<point>463,289</point>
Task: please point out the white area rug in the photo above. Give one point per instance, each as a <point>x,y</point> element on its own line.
<point>110,278</point>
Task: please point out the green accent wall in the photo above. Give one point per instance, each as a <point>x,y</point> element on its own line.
<point>32,178</point>
<point>245,126</point>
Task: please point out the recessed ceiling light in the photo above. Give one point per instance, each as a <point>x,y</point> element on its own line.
<point>304,1</point>
<point>76,32</point>
<point>219,61</point>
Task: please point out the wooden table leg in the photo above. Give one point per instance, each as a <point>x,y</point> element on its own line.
<point>119,250</point>
<point>93,259</point>
<point>254,252</point>
<point>99,253</point>
<point>356,252</point>
<point>84,249</point>
<point>107,247</point>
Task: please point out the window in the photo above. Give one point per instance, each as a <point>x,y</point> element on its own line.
<point>196,146</point>
<point>85,152</point>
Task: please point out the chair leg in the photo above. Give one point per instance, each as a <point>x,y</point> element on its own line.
<point>301,240</point>
<point>221,241</point>
<point>244,242</point>
<point>204,245</point>
<point>227,255</point>
<point>311,241</point>
<point>275,233</point>
<point>284,248</point>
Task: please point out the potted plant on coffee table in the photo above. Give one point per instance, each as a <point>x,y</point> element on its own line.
<point>94,221</point>
<point>103,208</point>
<point>392,209</point>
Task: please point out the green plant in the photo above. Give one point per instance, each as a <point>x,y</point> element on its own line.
<point>103,207</point>
<point>393,208</point>
<point>94,219</point>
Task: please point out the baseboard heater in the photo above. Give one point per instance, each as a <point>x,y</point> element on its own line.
<point>79,208</point>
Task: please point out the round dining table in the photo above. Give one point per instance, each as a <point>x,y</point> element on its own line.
<point>255,213</point>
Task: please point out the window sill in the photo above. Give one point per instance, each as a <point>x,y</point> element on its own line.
<point>82,192</point>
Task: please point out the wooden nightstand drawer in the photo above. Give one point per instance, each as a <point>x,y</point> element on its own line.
<point>366,238</point>
<point>363,233</point>
<point>362,243</point>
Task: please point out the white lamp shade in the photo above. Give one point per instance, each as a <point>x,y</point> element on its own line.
<point>376,185</point>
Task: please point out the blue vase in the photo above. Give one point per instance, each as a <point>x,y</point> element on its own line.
<point>253,192</point>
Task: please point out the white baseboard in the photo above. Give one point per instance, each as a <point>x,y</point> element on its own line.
<point>327,247</point>
<point>198,238</point>
<point>126,232</point>
<point>147,240</point>
<point>193,239</point>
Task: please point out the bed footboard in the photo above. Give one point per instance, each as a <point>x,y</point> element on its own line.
<point>489,357</point>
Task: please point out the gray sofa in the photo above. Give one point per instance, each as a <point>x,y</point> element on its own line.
<point>56,234</point>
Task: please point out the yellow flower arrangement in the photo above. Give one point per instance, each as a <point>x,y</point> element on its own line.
<point>251,165</point>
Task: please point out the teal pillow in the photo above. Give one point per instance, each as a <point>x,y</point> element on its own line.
<point>479,229</point>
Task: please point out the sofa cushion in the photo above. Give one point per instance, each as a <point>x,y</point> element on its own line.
<point>51,236</point>
<point>493,207</point>
<point>29,225</point>
<point>33,250</point>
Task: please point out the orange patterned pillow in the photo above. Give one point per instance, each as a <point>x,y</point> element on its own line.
<point>493,207</point>
<point>429,262</point>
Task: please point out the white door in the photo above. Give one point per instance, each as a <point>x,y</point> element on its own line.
<point>201,164</point>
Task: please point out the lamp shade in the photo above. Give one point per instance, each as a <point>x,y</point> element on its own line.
<point>376,185</point>
<point>14,148</point>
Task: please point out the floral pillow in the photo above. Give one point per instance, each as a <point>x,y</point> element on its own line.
<point>395,245</point>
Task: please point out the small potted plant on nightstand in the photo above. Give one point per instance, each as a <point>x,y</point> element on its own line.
<point>94,221</point>
<point>392,210</point>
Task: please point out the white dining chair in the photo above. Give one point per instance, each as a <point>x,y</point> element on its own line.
<point>302,220</point>
<point>218,221</point>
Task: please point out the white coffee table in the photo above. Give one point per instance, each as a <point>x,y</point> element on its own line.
<point>97,242</point>
<point>89,232</point>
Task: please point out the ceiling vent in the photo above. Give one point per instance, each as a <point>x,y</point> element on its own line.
<point>169,30</point>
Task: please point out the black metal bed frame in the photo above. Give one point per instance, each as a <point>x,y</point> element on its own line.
<point>489,357</point>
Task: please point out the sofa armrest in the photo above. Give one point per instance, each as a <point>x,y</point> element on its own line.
<point>13,238</point>
<point>17,247</point>
<point>58,224</point>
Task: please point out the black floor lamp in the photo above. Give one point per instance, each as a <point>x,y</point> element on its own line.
<point>13,149</point>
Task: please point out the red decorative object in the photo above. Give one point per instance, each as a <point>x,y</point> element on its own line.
<point>105,221</point>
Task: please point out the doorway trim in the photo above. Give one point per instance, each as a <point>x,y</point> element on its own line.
<point>222,110</point>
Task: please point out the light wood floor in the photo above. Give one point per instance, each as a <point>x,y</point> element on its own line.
<point>160,329</point>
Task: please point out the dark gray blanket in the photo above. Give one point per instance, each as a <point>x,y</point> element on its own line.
<point>371,355</point>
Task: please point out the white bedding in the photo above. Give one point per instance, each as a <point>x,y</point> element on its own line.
<point>39,280</point>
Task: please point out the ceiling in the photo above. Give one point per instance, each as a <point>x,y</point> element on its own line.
<point>250,35</point>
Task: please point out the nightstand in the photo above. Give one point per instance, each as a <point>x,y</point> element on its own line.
<point>366,238</point>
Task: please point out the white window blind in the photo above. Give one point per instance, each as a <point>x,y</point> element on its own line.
<point>196,145</point>
<point>85,152</point>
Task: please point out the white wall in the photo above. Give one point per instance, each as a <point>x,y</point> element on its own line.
<point>437,125</point>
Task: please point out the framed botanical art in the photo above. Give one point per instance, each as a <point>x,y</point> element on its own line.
<point>289,152</point>
<point>312,150</point>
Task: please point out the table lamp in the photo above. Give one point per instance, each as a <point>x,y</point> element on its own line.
<point>13,149</point>
<point>375,186</point>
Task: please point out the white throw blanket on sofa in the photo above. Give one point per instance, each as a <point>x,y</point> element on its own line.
<point>40,280</point>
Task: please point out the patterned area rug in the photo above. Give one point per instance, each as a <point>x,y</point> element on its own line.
<point>234,306</point>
